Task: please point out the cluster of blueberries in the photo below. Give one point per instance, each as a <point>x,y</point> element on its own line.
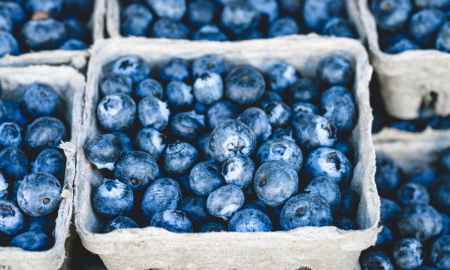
<point>32,168</point>
<point>36,25</point>
<point>412,24</point>
<point>223,147</point>
<point>222,20</point>
<point>415,211</point>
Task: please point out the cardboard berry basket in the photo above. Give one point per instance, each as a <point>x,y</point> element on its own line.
<point>77,59</point>
<point>410,79</point>
<point>114,7</point>
<point>392,135</point>
<point>69,84</point>
<point>303,248</point>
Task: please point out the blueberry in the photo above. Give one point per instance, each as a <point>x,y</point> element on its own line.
<point>113,198</point>
<point>153,112</point>
<point>305,210</point>
<point>179,157</point>
<point>304,107</point>
<point>116,84</point>
<point>339,27</point>
<point>137,169</point>
<point>14,11</point>
<point>278,112</point>
<point>387,176</point>
<point>48,34</point>
<point>270,97</point>
<point>124,140</point>
<point>335,70</point>
<point>136,20</point>
<point>195,208</point>
<point>281,149</point>
<point>6,23</point>
<point>187,125</point>
<point>349,203</point>
<point>250,220</point>
<point>8,44</point>
<point>443,38</point>
<point>166,28</point>
<point>205,178</point>
<point>238,171</point>
<point>385,237</point>
<point>10,111</point>
<point>389,211</point>
<point>440,252</point>
<point>45,132</point>
<point>445,224</point>
<point>40,100</point>
<point>411,193</point>
<point>209,32</point>
<point>442,196</point>
<point>444,160</point>
<point>282,76</point>
<point>225,201</point>
<point>201,12</point>
<point>74,45</point>
<point>120,222</point>
<point>339,108</point>
<point>172,220</point>
<point>391,15</point>
<point>116,112</point>
<point>171,9</point>
<point>151,141</point>
<point>11,219</point>
<point>244,85</point>
<point>325,161</point>
<point>103,151</point>
<point>208,63</point>
<point>39,194</point>
<point>208,88</point>
<point>317,13</point>
<point>407,253</point>
<point>3,187</point>
<point>50,161</point>
<point>31,241</point>
<point>221,111</point>
<point>275,182</point>
<point>239,16</point>
<point>327,188</point>
<point>312,131</point>
<point>267,8</point>
<point>176,69</point>
<point>420,221</point>
<point>163,194</point>
<point>283,27</point>
<point>257,120</point>
<point>425,24</point>
<point>375,259</point>
<point>76,29</point>
<point>402,45</point>
<point>231,138</point>
<point>304,90</point>
<point>51,7</point>
<point>13,163</point>
<point>179,95</point>
<point>10,135</point>
<point>212,226</point>
<point>149,87</point>
<point>426,177</point>
<point>131,66</point>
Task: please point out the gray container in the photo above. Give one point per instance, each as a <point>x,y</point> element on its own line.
<point>309,247</point>
<point>69,84</point>
<point>409,79</point>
